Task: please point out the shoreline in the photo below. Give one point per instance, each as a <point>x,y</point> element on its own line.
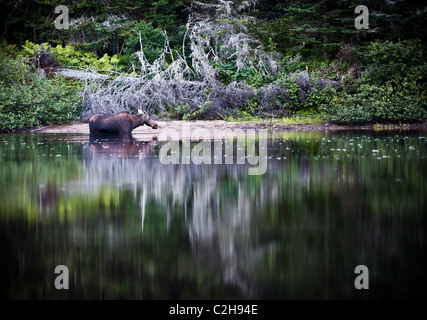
<point>78,127</point>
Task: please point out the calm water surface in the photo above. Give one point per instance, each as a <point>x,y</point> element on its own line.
<point>129,227</point>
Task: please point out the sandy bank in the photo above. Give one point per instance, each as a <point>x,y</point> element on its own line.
<point>185,128</point>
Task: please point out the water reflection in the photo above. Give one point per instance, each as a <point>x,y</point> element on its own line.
<point>128,226</point>
<point>127,147</point>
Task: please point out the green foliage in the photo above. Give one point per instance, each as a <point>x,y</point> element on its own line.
<point>100,34</point>
<point>394,61</point>
<point>180,111</point>
<point>319,28</point>
<point>289,82</point>
<point>13,71</point>
<point>27,101</point>
<point>152,41</point>
<point>320,98</point>
<point>392,89</point>
<point>310,28</point>
<point>252,108</point>
<point>228,71</point>
<point>293,63</point>
<point>186,112</point>
<point>68,56</point>
<point>7,49</point>
<point>373,103</point>
<point>100,25</point>
<point>308,98</point>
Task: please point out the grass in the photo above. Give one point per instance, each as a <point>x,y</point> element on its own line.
<point>300,119</point>
<point>294,119</point>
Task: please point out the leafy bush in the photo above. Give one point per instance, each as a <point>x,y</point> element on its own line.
<point>8,50</point>
<point>386,60</point>
<point>391,89</point>
<point>185,112</point>
<point>228,72</point>
<point>68,56</point>
<point>375,103</point>
<point>307,93</point>
<point>319,98</point>
<point>27,101</point>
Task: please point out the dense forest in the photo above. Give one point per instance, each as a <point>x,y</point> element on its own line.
<point>183,59</point>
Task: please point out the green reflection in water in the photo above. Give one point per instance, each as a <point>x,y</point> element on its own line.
<point>128,226</point>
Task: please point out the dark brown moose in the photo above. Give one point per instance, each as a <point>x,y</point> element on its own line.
<point>118,123</point>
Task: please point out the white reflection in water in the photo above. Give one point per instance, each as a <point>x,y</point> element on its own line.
<point>217,223</point>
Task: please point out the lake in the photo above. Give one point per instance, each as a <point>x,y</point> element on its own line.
<point>128,226</point>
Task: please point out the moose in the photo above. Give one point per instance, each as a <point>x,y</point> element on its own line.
<point>119,123</point>
<point>124,147</point>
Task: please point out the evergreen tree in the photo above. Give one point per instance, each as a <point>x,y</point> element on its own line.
<point>321,27</point>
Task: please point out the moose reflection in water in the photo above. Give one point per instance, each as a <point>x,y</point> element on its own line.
<point>125,146</point>
<point>49,196</point>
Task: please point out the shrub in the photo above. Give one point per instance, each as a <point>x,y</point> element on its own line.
<point>27,101</point>
<point>307,93</point>
<point>375,103</point>
<point>185,112</point>
<point>68,56</point>
<point>391,89</point>
<point>228,72</point>
<point>386,60</point>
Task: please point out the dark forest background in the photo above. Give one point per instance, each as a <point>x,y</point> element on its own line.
<point>382,71</point>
